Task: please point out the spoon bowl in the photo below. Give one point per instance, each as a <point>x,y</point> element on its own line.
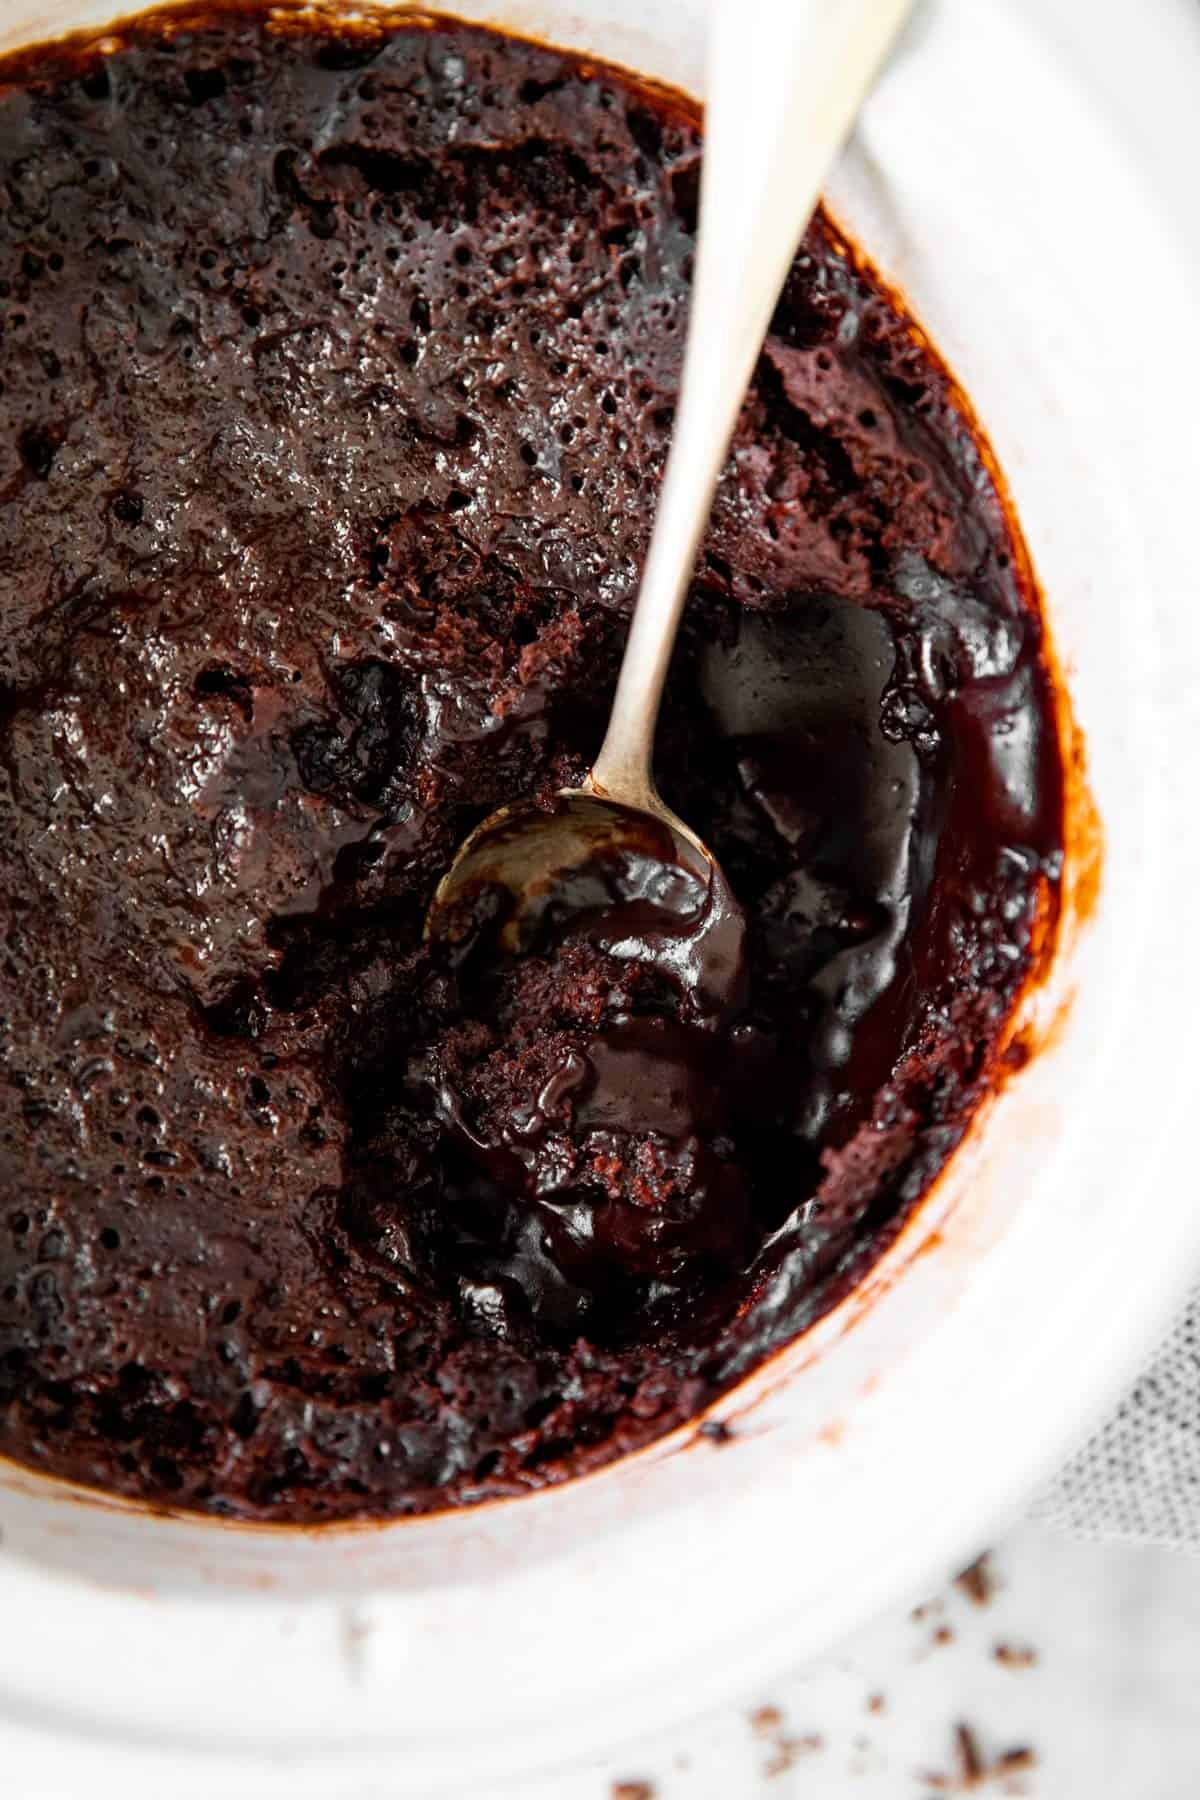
<point>636,879</point>
<point>528,850</point>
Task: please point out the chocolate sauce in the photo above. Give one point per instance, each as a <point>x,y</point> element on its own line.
<point>338,371</point>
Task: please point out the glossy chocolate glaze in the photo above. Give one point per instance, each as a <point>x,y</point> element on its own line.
<point>619,1152</point>
<point>338,371</point>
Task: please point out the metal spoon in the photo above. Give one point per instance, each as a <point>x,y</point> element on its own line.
<point>785,82</point>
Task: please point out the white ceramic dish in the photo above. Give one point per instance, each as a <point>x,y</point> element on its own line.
<point>195,1658</point>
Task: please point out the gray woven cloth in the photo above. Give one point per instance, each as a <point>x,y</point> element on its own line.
<point>1138,1478</point>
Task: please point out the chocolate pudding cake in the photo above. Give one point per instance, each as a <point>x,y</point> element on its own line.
<point>337,374</point>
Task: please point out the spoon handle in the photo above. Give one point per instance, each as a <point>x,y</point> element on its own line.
<point>785,81</point>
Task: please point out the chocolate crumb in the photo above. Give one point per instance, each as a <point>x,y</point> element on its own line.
<point>977,1581</point>
<point>876,1703</point>
<point>765,1719</point>
<point>789,1750</point>
<point>633,1790</point>
<point>1015,1656</point>
<point>717,1432</point>
<point>972,1769</point>
<point>944,1634</point>
<point>971,1763</point>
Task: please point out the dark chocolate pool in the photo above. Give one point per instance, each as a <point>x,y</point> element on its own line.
<point>336,377</point>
